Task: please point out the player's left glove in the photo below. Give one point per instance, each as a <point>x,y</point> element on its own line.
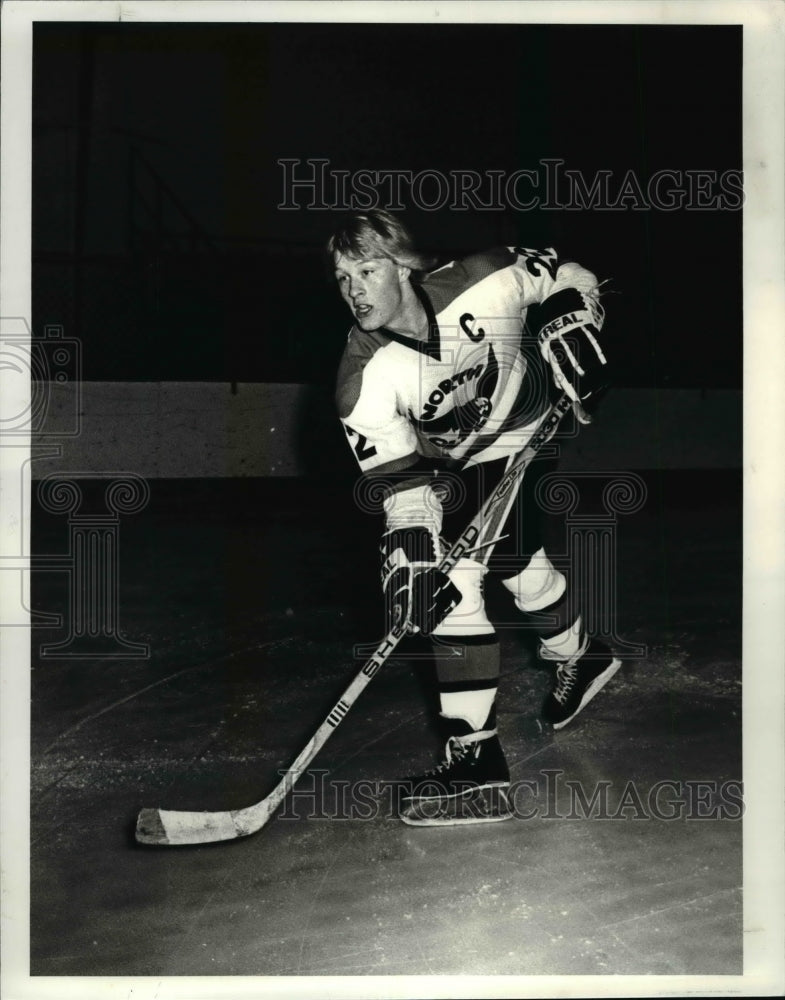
<point>416,593</point>
<point>570,322</point>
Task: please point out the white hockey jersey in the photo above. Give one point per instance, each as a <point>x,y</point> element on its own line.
<point>460,395</point>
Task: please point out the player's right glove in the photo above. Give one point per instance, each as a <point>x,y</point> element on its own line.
<point>416,593</point>
<point>569,341</point>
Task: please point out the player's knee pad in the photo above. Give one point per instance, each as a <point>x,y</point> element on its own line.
<point>538,586</point>
<point>468,617</point>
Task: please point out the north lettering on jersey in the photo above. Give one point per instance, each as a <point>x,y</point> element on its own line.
<point>445,387</point>
<point>467,413</point>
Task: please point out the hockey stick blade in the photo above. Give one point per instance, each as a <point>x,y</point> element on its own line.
<point>167,828</point>
<point>171,827</point>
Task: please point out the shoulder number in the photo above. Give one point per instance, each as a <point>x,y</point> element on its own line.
<point>536,259</point>
<point>362,449</point>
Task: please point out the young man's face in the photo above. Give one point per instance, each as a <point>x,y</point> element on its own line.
<point>372,288</point>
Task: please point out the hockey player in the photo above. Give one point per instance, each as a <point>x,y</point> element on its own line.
<point>434,382</point>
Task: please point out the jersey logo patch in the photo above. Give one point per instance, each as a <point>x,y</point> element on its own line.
<point>445,387</point>
<point>449,429</point>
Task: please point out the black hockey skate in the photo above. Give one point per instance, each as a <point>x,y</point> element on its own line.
<point>469,786</point>
<point>578,680</point>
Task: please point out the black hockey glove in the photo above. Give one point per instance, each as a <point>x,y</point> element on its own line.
<point>570,322</point>
<point>416,592</point>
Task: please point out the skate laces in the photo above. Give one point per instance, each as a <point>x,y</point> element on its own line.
<point>567,671</point>
<point>565,678</point>
<point>459,746</point>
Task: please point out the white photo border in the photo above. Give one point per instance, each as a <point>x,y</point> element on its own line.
<point>764,495</point>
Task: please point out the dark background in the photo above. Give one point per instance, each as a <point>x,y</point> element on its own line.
<point>159,244</point>
<point>157,239</point>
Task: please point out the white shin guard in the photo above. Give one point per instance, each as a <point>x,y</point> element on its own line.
<point>538,586</point>
<point>468,617</point>
<point>473,706</point>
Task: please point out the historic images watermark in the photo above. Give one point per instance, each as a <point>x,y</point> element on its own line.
<point>546,795</point>
<point>43,409</point>
<point>313,184</point>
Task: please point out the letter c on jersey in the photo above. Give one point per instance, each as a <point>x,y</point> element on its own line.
<point>471,334</point>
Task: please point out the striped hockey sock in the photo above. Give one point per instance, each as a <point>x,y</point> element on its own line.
<point>467,670</point>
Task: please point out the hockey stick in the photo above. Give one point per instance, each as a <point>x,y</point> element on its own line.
<point>173,827</point>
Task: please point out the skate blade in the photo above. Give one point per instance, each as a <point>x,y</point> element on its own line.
<point>454,821</point>
<point>481,805</point>
<point>594,688</point>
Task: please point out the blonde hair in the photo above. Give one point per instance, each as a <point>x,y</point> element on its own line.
<point>377,233</point>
